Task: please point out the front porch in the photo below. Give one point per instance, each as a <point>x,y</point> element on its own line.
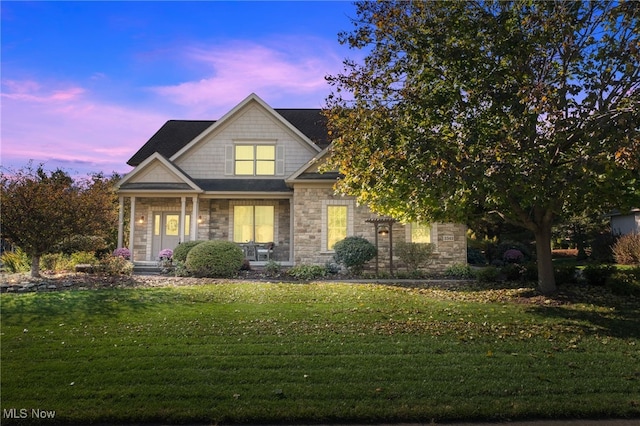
<point>261,227</point>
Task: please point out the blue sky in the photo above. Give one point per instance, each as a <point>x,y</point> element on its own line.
<point>85,84</point>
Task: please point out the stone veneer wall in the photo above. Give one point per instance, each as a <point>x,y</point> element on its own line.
<point>308,203</point>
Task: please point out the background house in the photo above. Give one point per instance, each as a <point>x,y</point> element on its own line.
<point>625,223</point>
<point>252,178</point>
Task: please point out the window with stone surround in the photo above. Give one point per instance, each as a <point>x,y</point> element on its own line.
<point>421,233</point>
<point>337,222</point>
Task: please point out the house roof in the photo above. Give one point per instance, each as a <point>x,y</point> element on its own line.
<point>176,134</point>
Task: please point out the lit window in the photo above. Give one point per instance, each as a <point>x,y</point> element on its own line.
<point>336,225</point>
<point>253,223</point>
<point>259,160</point>
<point>420,233</point>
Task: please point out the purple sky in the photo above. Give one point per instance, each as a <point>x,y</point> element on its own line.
<point>85,84</point>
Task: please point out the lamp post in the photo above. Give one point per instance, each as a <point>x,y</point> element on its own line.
<point>383,226</point>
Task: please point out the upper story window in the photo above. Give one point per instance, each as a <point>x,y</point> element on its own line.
<point>255,160</point>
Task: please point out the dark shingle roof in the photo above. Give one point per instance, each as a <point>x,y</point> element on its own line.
<point>310,122</point>
<point>175,134</point>
<point>170,138</point>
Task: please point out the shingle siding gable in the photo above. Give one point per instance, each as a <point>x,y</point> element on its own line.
<point>176,134</point>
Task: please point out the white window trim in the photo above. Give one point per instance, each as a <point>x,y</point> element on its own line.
<point>230,157</point>
<point>234,203</point>
<point>350,210</point>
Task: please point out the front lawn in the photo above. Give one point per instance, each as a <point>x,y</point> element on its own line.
<point>319,352</point>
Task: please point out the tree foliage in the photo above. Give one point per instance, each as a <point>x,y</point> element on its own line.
<point>42,211</point>
<point>524,109</point>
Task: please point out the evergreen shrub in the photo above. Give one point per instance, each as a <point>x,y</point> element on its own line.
<point>307,272</point>
<point>354,252</point>
<point>180,253</point>
<point>222,259</point>
<point>597,274</point>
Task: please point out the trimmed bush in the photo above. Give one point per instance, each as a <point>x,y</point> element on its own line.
<point>221,259</point>
<point>307,272</point>
<point>414,255</point>
<point>353,253</point>
<point>626,250</point>
<point>513,256</point>
<point>180,253</point>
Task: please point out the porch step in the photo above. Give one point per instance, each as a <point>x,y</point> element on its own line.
<point>146,268</point>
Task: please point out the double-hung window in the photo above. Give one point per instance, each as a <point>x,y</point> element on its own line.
<point>255,160</point>
<point>420,233</point>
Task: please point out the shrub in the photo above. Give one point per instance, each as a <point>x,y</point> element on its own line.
<point>626,250</point>
<point>512,271</point>
<point>122,252</point>
<point>353,253</point>
<point>459,271</point>
<point>83,257</point>
<point>307,272</point>
<point>475,256</point>
<point>530,272</point>
<point>565,274</point>
<point>513,256</point>
<point>414,255</point>
<point>597,274</point>
<point>272,268</point>
<point>115,265</point>
<point>625,283</point>
<point>55,262</point>
<point>488,275</point>
<point>496,252</point>
<point>180,253</point>
<point>214,259</point>
<point>15,261</point>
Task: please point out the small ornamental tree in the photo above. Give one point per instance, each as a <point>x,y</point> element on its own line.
<point>353,253</point>
<point>43,210</point>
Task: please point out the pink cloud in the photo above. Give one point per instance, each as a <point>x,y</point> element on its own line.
<point>64,127</point>
<point>236,69</point>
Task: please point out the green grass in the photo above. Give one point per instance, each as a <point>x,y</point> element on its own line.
<point>325,352</point>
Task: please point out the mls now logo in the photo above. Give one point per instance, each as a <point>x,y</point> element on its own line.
<point>23,413</point>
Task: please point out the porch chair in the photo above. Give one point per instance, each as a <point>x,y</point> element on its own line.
<point>264,252</point>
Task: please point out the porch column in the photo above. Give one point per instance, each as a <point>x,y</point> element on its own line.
<point>183,215</point>
<point>120,221</point>
<point>194,218</point>
<point>132,226</point>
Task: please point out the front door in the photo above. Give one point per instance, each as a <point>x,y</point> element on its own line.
<point>166,231</point>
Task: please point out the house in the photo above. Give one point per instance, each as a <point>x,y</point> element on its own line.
<point>252,177</point>
<point>625,223</point>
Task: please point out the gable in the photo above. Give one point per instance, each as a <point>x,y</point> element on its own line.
<point>157,173</point>
<point>175,135</point>
<point>250,123</point>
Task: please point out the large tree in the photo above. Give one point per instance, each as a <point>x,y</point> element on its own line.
<point>523,109</point>
<point>42,210</point>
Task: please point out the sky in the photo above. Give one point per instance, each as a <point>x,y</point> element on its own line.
<point>85,84</point>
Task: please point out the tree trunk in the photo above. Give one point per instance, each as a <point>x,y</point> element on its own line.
<point>546,279</point>
<point>35,266</point>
